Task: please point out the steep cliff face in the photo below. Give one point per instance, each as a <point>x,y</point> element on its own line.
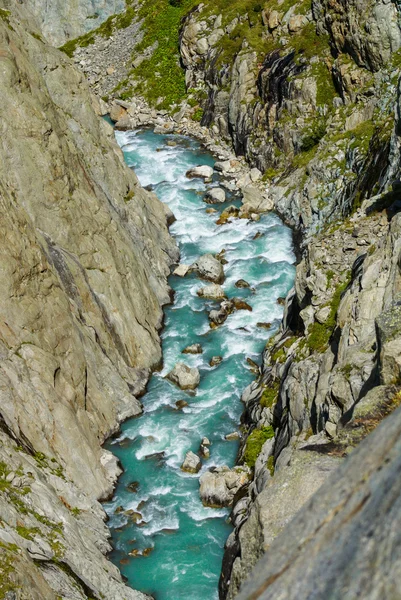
<point>303,93</point>
<point>85,254</point>
<point>336,359</point>
<point>61,21</point>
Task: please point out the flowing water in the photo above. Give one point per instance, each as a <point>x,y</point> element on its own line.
<point>187,539</point>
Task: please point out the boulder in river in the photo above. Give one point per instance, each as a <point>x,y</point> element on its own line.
<point>202,171</point>
<point>185,377</point>
<point>215,360</point>
<point>181,270</point>
<point>192,463</point>
<point>264,325</point>
<point>230,211</point>
<point>218,317</point>
<point>208,267</point>
<point>240,304</point>
<point>215,195</point>
<point>204,451</point>
<point>180,404</point>
<point>133,486</point>
<point>254,201</point>
<point>193,349</point>
<point>219,487</point>
<point>213,291</point>
<point>241,283</point>
<point>230,437</point>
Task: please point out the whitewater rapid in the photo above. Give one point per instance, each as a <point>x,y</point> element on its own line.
<point>183,541</point>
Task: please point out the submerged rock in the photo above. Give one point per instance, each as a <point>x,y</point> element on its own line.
<point>192,463</point>
<point>180,404</point>
<point>185,377</point>
<point>219,487</point>
<point>208,267</point>
<point>203,172</point>
<point>241,283</point>
<point>263,325</point>
<point>133,487</point>
<point>193,349</point>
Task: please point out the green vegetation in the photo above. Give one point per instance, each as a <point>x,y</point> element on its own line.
<point>270,395</point>
<point>320,333</point>
<point>5,15</point>
<point>329,276</point>
<point>197,115</point>
<point>43,462</point>
<point>254,444</point>
<point>346,370</point>
<point>280,354</point>
<point>27,532</point>
<point>37,36</point>
<point>8,554</point>
<point>162,22</point>
<point>129,196</point>
<point>315,132</point>
<point>270,465</point>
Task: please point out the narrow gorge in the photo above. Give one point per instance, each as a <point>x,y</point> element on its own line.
<point>293,110</point>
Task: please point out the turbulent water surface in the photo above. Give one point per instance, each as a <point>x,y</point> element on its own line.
<point>182,540</point>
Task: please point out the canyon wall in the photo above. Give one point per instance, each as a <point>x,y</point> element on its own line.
<point>61,21</point>
<point>85,255</point>
<point>309,93</point>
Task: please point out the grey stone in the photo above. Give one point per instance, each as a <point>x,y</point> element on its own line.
<point>208,267</point>
<point>185,377</point>
<point>192,463</point>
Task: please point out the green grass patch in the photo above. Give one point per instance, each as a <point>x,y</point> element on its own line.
<point>254,444</point>
<point>161,76</point>
<point>270,465</point>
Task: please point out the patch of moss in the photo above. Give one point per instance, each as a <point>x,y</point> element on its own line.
<point>27,532</point>
<point>329,276</point>
<point>280,355</point>
<point>270,465</point>
<point>270,395</point>
<point>254,444</point>
<point>197,115</point>
<point>8,554</point>
<point>320,333</point>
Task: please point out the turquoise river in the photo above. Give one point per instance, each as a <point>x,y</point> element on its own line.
<point>184,541</point>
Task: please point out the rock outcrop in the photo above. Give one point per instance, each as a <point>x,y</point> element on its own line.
<point>219,486</point>
<point>85,254</point>
<point>61,21</point>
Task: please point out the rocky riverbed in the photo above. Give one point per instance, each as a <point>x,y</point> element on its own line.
<point>193,406</point>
